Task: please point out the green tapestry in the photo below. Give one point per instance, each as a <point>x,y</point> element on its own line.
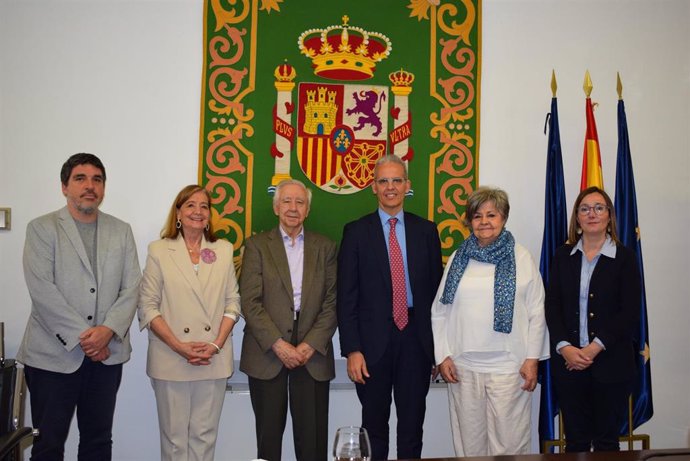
<point>319,90</point>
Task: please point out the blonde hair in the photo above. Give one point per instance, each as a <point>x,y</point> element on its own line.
<point>170,229</point>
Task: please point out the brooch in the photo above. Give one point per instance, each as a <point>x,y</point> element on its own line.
<point>208,256</point>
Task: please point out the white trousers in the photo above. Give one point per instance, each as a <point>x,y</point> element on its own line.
<point>188,416</point>
<point>489,414</point>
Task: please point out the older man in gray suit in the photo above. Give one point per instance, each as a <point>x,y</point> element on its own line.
<point>82,272</point>
<point>287,291</point>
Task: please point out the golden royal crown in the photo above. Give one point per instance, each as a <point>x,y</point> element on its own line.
<point>344,52</point>
<point>401,78</point>
<point>285,72</point>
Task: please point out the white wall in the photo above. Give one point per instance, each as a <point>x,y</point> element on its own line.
<point>121,79</point>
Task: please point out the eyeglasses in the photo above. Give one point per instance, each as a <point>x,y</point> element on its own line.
<point>383,182</point>
<point>598,209</point>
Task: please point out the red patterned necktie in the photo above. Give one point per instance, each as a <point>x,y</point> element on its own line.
<point>398,278</point>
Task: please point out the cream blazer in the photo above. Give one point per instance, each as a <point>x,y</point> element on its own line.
<point>192,304</point>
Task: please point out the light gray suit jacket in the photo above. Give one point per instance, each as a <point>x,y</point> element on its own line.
<point>192,305</point>
<point>267,303</point>
<point>67,298</point>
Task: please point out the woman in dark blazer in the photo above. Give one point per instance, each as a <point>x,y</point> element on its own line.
<point>592,310</point>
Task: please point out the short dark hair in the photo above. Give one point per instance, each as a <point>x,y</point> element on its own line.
<point>79,159</point>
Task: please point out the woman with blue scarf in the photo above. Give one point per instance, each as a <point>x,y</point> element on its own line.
<point>490,332</point>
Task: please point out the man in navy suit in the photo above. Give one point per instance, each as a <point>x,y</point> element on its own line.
<point>389,353</point>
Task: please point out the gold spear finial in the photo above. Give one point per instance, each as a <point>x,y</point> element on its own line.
<point>554,85</point>
<point>619,85</point>
<point>587,86</point>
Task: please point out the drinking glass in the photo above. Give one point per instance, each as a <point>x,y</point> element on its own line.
<point>351,444</point>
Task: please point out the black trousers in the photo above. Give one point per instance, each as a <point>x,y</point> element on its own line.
<point>405,372</point>
<point>593,411</point>
<point>92,391</point>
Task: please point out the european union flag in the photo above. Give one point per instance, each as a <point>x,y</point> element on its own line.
<point>629,234</point>
<point>555,235</point>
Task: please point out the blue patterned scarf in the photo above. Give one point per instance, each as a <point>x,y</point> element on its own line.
<point>500,253</point>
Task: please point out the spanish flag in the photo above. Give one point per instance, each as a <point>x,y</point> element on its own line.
<point>591,158</point>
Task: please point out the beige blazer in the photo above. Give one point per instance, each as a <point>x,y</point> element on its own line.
<point>192,304</point>
<point>267,303</point>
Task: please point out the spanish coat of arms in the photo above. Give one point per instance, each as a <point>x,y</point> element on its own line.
<point>341,128</point>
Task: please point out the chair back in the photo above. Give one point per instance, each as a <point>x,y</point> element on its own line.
<point>11,405</point>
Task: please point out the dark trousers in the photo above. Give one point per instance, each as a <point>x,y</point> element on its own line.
<point>308,400</point>
<point>593,412</point>
<point>92,390</point>
<point>405,371</point>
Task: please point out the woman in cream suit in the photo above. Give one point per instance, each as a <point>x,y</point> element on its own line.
<point>189,301</point>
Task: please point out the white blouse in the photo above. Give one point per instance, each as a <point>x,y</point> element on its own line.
<point>464,330</point>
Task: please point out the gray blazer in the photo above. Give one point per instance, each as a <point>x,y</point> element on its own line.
<point>267,303</point>
<point>66,297</point>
